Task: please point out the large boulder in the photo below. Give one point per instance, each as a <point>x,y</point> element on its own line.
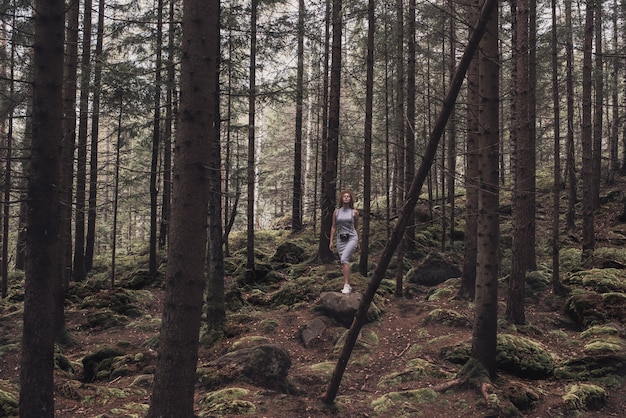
<point>265,365</point>
<point>433,271</point>
<point>342,308</point>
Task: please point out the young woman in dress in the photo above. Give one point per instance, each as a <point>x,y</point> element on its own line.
<point>345,230</point>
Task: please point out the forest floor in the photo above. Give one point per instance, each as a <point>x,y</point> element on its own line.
<point>402,335</point>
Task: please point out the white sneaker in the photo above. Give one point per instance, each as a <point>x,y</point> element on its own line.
<point>346,289</point>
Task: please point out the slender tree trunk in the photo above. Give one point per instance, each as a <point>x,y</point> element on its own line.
<point>523,212</point>
<point>487,260</point>
<point>80,270</point>
<point>215,303</point>
<point>570,148</point>
<point>175,375</point>
<point>587,139</point>
<point>598,83</point>
<point>556,186</point>
<point>367,152</point>
<point>406,213</point>
<point>95,129</point>
<point>329,185</point>
<point>409,165</point>
<point>156,139</point>
<point>297,199</point>
<point>116,187</point>
<point>167,134</point>
<point>615,121</point>
<point>43,265</point>
<point>250,273</point>
<point>452,153</point>
<point>468,281</point>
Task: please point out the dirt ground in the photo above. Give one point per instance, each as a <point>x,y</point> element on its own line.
<point>402,336</point>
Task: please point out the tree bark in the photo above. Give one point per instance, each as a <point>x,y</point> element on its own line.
<point>587,138</point>
<point>43,265</point>
<point>175,376</point>
<point>487,260</point>
<point>156,140</point>
<point>329,183</point>
<point>95,129</point>
<point>367,152</point>
<point>80,269</point>
<point>297,193</point>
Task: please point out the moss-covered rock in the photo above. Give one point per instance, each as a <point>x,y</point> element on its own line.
<point>448,317</point>
<point>289,252</point>
<point>585,397</point>
<point>403,404</point>
<point>226,402</point>
<point>524,357</point>
<point>599,280</point>
<point>9,395</point>
<point>415,370</point>
<point>98,361</point>
<point>592,367</point>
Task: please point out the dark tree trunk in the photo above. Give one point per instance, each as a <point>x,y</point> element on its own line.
<point>167,133</point>
<point>215,303</point>
<point>587,139</point>
<point>250,274</point>
<point>80,269</point>
<point>93,157</point>
<point>487,259</point>
<point>523,176</point>
<point>557,287</point>
<point>570,171</point>
<point>156,140</point>
<point>43,265</point>
<point>468,281</point>
<point>329,185</point>
<point>175,376</point>
<point>296,211</point>
<point>367,152</point>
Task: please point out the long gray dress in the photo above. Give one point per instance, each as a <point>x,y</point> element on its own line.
<point>345,225</point>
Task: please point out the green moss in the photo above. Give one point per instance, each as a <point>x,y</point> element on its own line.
<point>403,404</point>
<point>226,402</point>
<point>602,347</point>
<point>598,330</point>
<point>584,397</point>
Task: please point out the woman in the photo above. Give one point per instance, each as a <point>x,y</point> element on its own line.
<point>345,225</point>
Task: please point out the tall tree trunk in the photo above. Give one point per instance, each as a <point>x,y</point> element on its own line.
<point>167,133</point>
<point>409,165</point>
<point>452,153</point>
<point>487,260</point>
<point>156,139</point>
<point>67,166</point>
<point>215,303</point>
<point>570,171</point>
<point>116,186</point>
<point>401,149</point>
<point>43,265</point>
<point>523,150</point>
<point>95,129</point>
<point>80,269</point>
<point>175,376</point>
<point>615,121</point>
<point>297,197</point>
<point>468,280</point>
<point>587,139</point>
<point>367,151</point>
<point>598,83</point>
<point>329,185</point>
<point>406,212</point>
<point>556,186</point>
<point>250,273</point>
